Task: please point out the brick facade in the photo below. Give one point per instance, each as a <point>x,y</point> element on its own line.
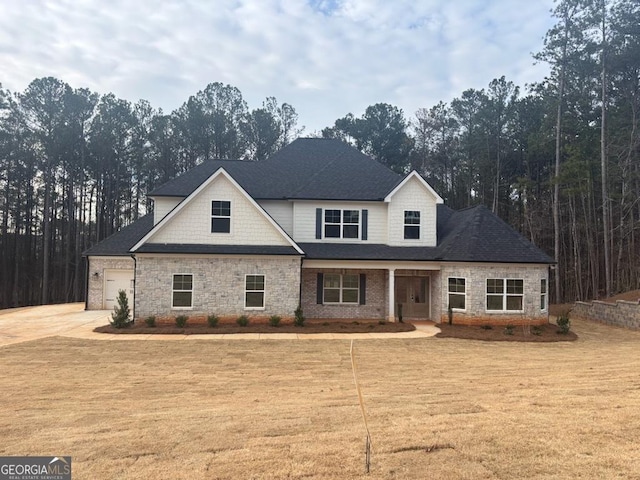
<point>96,287</point>
<point>376,296</point>
<point>476,277</point>
<point>218,285</point>
<point>622,313</point>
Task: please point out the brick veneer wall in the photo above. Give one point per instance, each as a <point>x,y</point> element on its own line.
<point>95,290</point>
<point>376,296</point>
<point>622,313</point>
<point>218,285</point>
<point>476,277</point>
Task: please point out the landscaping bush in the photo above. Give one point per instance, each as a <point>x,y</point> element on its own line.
<point>181,321</point>
<point>274,320</point>
<point>243,320</point>
<point>120,316</point>
<point>564,324</point>
<point>212,320</point>
<point>486,327</point>
<point>508,330</point>
<point>150,321</point>
<point>536,330</point>
<point>298,319</point>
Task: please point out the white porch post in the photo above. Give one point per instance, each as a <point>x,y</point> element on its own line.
<point>392,291</point>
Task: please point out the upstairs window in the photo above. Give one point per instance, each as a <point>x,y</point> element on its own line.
<point>505,294</point>
<point>220,216</point>
<point>411,225</point>
<point>341,223</point>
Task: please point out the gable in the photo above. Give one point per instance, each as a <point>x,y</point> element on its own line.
<point>191,221</point>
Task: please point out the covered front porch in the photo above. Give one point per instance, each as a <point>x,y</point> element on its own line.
<point>389,291</point>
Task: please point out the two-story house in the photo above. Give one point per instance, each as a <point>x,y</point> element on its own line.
<point>323,226</point>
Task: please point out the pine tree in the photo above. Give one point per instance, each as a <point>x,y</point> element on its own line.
<point>120,315</point>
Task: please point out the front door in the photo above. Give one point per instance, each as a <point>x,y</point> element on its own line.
<point>412,297</point>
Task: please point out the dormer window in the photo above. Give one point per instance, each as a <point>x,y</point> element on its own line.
<point>342,223</point>
<point>412,225</point>
<point>220,216</point>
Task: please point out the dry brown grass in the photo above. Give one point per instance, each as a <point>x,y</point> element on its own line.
<point>438,408</point>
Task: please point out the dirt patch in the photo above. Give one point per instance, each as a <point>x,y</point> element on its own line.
<point>542,333</point>
<point>309,327</point>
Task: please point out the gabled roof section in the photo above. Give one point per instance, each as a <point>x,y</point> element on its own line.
<point>121,242</point>
<point>419,178</point>
<point>306,169</point>
<point>176,211</point>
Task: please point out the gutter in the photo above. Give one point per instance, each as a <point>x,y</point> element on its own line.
<point>135,286</point>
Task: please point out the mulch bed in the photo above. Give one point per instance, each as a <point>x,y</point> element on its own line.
<point>309,327</point>
<point>547,333</point>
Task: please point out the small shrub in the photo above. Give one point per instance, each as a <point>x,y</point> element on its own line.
<point>355,322</point>
<point>274,320</point>
<point>212,320</point>
<point>120,316</point>
<point>450,315</point>
<point>325,324</point>
<point>181,321</point>
<point>382,322</point>
<point>564,324</point>
<point>298,319</point>
<point>242,320</point>
<point>508,330</point>
<point>536,330</point>
<point>150,321</point>
<point>486,327</point>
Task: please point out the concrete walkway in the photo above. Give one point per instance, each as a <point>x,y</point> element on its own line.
<point>71,320</point>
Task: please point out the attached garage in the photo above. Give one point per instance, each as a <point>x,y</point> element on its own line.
<point>114,281</point>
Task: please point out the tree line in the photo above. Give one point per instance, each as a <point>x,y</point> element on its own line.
<point>559,159</point>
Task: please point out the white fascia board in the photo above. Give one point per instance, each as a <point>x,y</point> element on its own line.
<point>414,174</point>
<point>196,192</point>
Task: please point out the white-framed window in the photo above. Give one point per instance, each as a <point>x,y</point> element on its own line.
<point>254,292</point>
<point>182,290</point>
<point>505,294</point>
<point>341,288</point>
<point>341,223</point>
<point>544,295</point>
<point>457,290</point>
<point>411,224</point>
<point>220,216</point>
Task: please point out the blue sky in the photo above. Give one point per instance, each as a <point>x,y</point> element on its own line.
<point>327,58</point>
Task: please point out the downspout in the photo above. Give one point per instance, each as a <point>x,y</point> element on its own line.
<point>135,287</point>
<point>86,284</point>
<point>300,283</point>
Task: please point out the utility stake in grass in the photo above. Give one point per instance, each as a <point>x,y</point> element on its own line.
<point>367,448</point>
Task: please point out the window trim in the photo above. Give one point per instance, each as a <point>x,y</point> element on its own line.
<point>212,216</point>
<point>505,295</point>
<point>544,295</point>
<point>449,292</point>
<point>340,289</point>
<point>412,225</point>
<point>263,291</point>
<point>182,307</point>
<point>342,223</point>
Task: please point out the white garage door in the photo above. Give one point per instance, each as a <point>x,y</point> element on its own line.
<point>116,280</point>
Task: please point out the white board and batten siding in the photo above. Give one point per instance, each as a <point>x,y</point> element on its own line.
<point>304,220</point>
<point>114,281</point>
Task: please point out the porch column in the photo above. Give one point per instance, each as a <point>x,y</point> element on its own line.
<point>392,291</point>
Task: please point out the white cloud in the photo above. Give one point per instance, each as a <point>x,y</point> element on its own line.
<point>325,57</point>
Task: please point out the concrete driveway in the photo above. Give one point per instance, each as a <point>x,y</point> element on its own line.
<point>71,320</point>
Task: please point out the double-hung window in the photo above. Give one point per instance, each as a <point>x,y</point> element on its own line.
<point>411,224</point>
<point>341,223</point>
<point>182,291</point>
<point>254,291</point>
<point>457,290</point>
<point>505,294</point>
<point>341,288</point>
<point>220,216</point>
<point>544,294</point>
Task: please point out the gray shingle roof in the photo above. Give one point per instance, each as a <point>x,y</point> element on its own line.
<point>122,241</point>
<point>312,168</point>
<point>308,168</point>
